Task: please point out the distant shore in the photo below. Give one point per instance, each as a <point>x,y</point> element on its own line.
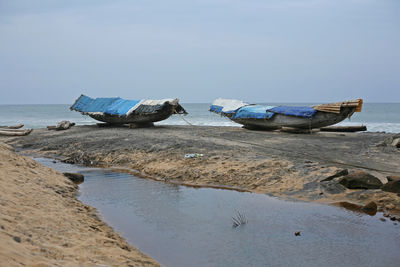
<point>289,166</point>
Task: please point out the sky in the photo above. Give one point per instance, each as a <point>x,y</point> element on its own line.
<point>198,50</point>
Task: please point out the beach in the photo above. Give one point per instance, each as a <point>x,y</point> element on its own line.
<point>199,133</point>
<point>285,165</point>
<point>43,224</point>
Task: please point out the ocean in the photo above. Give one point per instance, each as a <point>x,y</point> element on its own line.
<point>378,117</point>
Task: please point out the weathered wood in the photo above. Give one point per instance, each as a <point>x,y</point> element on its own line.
<point>18,126</point>
<point>62,125</point>
<point>358,128</point>
<point>15,132</point>
<point>298,130</point>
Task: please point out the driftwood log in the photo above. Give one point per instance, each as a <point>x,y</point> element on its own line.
<point>298,130</point>
<point>359,128</point>
<point>18,126</point>
<point>62,125</point>
<point>12,132</point>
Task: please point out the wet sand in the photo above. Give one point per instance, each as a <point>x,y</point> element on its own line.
<point>286,165</point>
<point>43,224</point>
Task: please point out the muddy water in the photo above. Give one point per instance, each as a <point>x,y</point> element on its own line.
<point>182,226</point>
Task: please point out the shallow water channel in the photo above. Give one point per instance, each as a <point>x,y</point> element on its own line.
<point>183,226</point>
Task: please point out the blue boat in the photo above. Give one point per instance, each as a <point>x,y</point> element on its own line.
<point>254,116</point>
<point>119,111</point>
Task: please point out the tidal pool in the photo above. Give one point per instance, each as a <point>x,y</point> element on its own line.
<point>183,226</point>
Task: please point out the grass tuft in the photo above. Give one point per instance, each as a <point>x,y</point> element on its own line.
<point>239,219</point>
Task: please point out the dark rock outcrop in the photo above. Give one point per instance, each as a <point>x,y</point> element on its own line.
<point>332,187</point>
<point>338,174</point>
<point>393,178</point>
<point>360,180</point>
<point>74,177</point>
<point>396,142</point>
<point>392,186</point>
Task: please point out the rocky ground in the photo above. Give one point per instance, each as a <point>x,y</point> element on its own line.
<point>287,165</point>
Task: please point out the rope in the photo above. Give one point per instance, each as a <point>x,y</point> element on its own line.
<point>183,118</point>
<point>195,132</point>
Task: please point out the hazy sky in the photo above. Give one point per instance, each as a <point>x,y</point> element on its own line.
<point>51,51</point>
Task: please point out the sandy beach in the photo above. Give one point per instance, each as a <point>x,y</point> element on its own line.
<point>43,224</point>
<point>289,166</point>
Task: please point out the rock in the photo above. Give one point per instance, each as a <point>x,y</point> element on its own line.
<point>62,125</point>
<point>371,208</point>
<point>361,180</point>
<point>75,177</point>
<point>392,186</point>
<point>393,178</point>
<point>332,187</point>
<point>337,174</point>
<point>396,142</point>
<point>311,186</point>
<point>382,219</point>
<point>390,206</point>
<point>390,141</point>
<point>17,239</point>
<point>392,218</point>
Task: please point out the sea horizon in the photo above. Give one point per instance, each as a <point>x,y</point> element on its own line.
<point>378,117</point>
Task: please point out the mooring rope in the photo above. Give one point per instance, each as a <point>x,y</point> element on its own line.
<point>183,118</point>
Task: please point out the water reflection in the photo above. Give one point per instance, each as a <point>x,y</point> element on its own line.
<point>181,226</point>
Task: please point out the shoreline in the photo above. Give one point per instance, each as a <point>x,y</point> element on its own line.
<point>42,223</point>
<point>288,166</point>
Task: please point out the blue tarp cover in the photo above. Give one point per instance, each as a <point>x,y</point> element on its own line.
<point>121,106</point>
<point>112,106</point>
<point>218,109</point>
<point>215,108</point>
<point>253,112</point>
<point>294,111</point>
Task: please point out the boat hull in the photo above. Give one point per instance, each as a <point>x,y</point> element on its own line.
<point>138,118</point>
<point>320,119</point>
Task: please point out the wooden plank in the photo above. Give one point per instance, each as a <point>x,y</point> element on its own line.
<point>13,130</point>
<point>15,133</point>
<point>358,128</point>
<point>18,126</point>
<point>298,130</point>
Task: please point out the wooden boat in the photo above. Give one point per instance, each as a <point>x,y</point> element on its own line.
<point>117,111</point>
<point>271,118</point>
